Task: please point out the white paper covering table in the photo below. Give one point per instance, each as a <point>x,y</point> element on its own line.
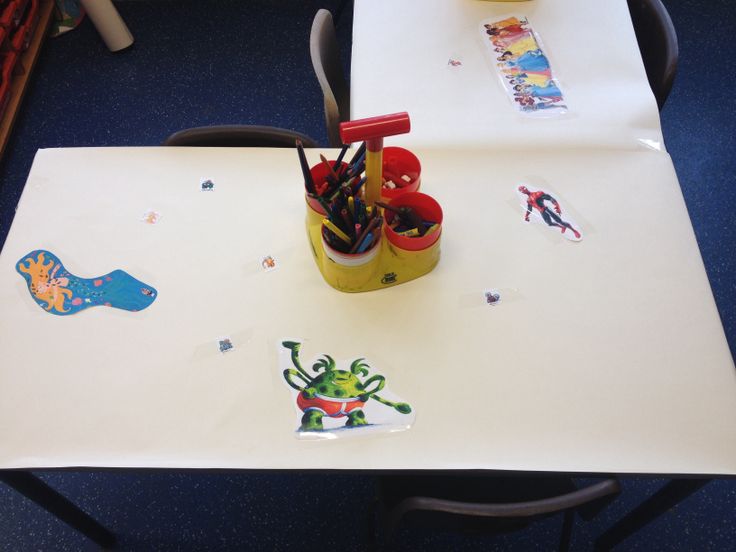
<point>593,364</point>
<point>400,59</point>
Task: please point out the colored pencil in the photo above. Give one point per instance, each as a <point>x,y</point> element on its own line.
<point>308,182</point>
<point>343,151</point>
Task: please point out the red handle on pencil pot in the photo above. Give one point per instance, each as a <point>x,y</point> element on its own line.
<point>373,130</point>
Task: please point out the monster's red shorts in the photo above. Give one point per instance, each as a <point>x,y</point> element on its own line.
<point>334,408</point>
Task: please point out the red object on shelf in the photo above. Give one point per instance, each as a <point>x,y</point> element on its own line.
<point>20,9</point>
<point>21,38</point>
<point>9,15</point>
<point>7,63</point>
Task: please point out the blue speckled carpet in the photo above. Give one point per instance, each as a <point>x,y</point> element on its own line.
<point>229,61</point>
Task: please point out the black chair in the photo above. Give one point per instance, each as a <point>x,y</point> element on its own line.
<point>657,40</point>
<point>486,504</point>
<point>239,136</point>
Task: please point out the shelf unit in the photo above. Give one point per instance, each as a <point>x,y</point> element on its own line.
<point>26,62</point>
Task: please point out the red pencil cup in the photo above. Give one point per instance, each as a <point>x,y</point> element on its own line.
<point>402,168</point>
<point>319,175</point>
<point>427,208</point>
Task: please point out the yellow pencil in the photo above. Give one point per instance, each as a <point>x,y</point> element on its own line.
<point>335,230</point>
<point>432,229</point>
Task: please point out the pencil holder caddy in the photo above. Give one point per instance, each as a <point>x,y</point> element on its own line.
<point>393,259</point>
<point>357,244</point>
<point>401,172</point>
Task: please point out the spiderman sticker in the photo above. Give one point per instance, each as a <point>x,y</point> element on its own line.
<point>547,209</point>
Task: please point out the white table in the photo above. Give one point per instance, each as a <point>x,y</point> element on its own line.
<point>593,362</point>
<point>400,59</point>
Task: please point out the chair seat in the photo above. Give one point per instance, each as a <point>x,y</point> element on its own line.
<point>239,136</point>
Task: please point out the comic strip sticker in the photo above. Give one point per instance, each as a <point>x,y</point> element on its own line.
<point>522,66</point>
<point>334,399</point>
<point>542,207</point>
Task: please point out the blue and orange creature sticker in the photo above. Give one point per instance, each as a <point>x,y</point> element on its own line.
<point>60,292</point>
<point>333,402</point>
<point>523,66</point>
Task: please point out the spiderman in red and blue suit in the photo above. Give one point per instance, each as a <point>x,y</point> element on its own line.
<point>535,200</point>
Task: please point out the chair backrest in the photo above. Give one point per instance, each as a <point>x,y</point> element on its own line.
<point>239,136</point>
<point>325,56</point>
<point>488,504</point>
<point>657,40</point>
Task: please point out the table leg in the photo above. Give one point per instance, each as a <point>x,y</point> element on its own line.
<point>39,492</point>
<point>667,497</point>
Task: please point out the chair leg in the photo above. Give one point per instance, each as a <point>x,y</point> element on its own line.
<point>39,492</point>
<point>390,523</point>
<point>374,524</point>
<point>667,497</point>
<point>566,535</point>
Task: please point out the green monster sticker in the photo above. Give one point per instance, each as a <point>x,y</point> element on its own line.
<point>332,394</point>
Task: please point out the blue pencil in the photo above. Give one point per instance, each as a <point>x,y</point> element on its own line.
<point>366,242</point>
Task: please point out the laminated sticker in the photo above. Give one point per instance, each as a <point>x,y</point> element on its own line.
<point>151,217</point>
<point>523,66</point>
<point>60,292</point>
<point>224,344</point>
<point>492,297</point>
<point>339,399</point>
<point>269,263</point>
<point>542,207</point>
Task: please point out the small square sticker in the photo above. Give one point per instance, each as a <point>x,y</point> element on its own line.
<point>454,61</point>
<point>225,344</point>
<point>206,185</point>
<point>151,217</point>
<point>492,297</point>
<point>268,263</point>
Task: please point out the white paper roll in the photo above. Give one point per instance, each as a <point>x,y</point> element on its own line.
<point>108,23</point>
